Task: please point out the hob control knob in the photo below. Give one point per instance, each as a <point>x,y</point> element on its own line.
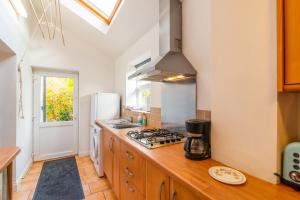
<point>295,176</point>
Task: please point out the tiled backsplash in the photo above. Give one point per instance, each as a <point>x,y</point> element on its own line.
<point>204,114</point>
<point>154,116</point>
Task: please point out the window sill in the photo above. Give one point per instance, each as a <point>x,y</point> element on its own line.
<point>138,111</point>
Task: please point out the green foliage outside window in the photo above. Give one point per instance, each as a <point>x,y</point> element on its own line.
<point>59,99</point>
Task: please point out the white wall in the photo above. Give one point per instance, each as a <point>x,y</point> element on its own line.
<point>196,31</point>
<point>8,101</point>
<point>14,30</point>
<point>145,47</point>
<point>14,33</point>
<point>244,97</point>
<point>96,72</point>
<point>24,125</point>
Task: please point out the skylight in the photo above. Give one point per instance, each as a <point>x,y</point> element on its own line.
<point>105,9</point>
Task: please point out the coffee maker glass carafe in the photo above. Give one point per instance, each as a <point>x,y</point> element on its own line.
<point>197,145</point>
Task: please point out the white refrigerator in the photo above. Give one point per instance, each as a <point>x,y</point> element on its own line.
<point>104,106</point>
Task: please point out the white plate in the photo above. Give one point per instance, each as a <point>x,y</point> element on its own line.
<point>227,175</point>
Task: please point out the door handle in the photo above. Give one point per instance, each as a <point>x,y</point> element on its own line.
<point>162,185</point>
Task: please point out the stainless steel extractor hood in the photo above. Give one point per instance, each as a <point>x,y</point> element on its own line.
<point>172,65</point>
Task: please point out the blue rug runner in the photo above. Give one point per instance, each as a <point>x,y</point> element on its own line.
<point>59,180</point>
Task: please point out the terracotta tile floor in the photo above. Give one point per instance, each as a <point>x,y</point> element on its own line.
<point>94,188</point>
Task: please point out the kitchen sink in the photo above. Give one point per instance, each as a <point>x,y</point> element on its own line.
<point>123,126</point>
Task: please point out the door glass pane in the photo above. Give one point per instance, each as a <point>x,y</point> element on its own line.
<point>56,99</point>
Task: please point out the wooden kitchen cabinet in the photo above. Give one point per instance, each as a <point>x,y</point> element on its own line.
<point>288,45</point>
<point>181,192</point>
<point>157,183</point>
<point>107,155</point>
<point>116,166</point>
<point>111,166</point>
<point>132,173</point>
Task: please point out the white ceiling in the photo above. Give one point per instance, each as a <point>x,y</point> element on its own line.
<point>134,18</point>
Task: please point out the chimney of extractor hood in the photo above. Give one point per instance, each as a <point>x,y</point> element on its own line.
<point>170,26</point>
<point>171,65</point>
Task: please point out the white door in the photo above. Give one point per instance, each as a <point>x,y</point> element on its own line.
<point>55,115</point>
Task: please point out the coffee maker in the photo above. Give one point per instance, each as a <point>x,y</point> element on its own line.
<point>197,144</point>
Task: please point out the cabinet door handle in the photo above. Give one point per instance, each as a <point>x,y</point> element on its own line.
<point>174,195</point>
<point>128,172</point>
<point>129,155</point>
<point>162,185</point>
<point>130,189</point>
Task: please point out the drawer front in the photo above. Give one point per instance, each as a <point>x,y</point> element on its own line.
<point>133,167</point>
<point>128,189</point>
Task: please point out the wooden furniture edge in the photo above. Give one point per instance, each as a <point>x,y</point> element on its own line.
<point>281,86</point>
<point>16,151</point>
<point>107,20</point>
<point>291,88</point>
<point>280,46</point>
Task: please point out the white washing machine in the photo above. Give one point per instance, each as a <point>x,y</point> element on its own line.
<point>96,149</point>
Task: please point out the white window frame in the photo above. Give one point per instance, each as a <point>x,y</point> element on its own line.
<point>38,76</point>
<point>136,93</point>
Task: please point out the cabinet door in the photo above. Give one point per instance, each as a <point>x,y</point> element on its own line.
<point>292,42</point>
<point>180,192</point>
<point>116,166</point>
<point>157,184</point>
<point>107,155</point>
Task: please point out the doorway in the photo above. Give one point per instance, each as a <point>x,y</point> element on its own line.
<point>55,117</point>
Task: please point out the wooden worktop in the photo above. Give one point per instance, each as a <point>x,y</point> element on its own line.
<point>194,174</point>
<point>7,155</point>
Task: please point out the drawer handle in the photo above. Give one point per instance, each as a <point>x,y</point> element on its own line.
<point>174,195</point>
<point>130,189</point>
<point>129,155</point>
<point>128,172</point>
<point>162,185</point>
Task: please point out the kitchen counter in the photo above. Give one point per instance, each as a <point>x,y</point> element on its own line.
<point>194,174</point>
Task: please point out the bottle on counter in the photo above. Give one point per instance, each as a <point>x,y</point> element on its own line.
<point>144,123</point>
<point>140,119</point>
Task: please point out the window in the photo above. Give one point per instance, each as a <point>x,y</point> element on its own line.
<point>138,94</point>
<point>56,99</point>
<point>105,9</point>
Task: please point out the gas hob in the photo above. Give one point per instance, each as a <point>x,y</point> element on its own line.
<point>154,138</point>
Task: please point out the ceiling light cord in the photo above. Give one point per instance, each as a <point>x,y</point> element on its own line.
<point>61,27</point>
<point>39,23</point>
<point>53,8</point>
<point>37,19</point>
<point>55,18</point>
<point>46,18</point>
